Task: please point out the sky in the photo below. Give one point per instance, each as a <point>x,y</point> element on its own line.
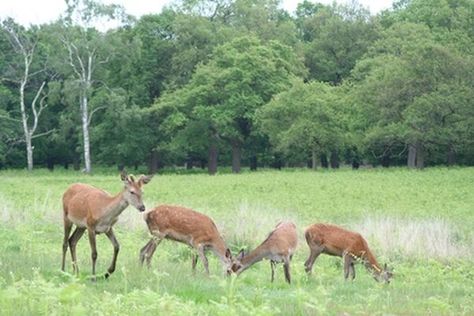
<point>28,12</point>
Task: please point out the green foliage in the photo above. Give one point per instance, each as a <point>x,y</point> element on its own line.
<point>304,119</point>
<point>402,87</point>
<point>181,85</point>
<point>335,37</point>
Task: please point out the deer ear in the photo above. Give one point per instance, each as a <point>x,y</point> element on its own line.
<point>145,179</point>
<point>228,254</point>
<point>241,254</point>
<point>385,267</point>
<point>125,178</point>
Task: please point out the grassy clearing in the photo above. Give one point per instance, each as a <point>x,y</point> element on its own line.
<point>418,222</point>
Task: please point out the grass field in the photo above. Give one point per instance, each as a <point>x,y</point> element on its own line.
<point>419,222</point>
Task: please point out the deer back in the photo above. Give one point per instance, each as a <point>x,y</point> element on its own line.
<point>182,224</point>
<point>337,240</point>
<point>82,200</point>
<point>282,240</point>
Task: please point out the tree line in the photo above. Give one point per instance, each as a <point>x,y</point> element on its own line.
<point>208,83</point>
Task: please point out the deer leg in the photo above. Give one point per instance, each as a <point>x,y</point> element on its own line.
<point>67,232</point>
<point>272,265</point>
<point>93,245</point>
<point>194,262</point>
<point>143,251</point>
<point>76,235</point>
<point>202,255</point>
<point>286,268</point>
<point>110,234</point>
<point>352,270</point>
<point>148,251</point>
<point>347,264</point>
<point>315,252</point>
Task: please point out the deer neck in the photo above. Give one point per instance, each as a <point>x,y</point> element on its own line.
<point>219,248</point>
<point>116,206</point>
<point>368,260</point>
<point>254,256</point>
<point>371,263</point>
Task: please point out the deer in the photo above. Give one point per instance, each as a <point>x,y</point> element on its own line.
<point>92,209</point>
<point>189,227</point>
<point>351,246</point>
<point>278,247</point>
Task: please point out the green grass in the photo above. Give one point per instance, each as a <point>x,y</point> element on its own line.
<point>420,222</point>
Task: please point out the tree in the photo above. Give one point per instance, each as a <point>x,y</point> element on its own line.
<point>24,70</point>
<point>304,121</point>
<point>334,38</point>
<point>416,89</point>
<point>142,59</point>
<point>86,51</point>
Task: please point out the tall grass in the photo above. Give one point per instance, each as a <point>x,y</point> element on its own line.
<point>419,222</point>
<point>418,238</point>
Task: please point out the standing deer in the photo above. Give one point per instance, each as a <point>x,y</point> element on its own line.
<point>96,211</point>
<point>186,226</point>
<point>278,247</point>
<point>351,246</point>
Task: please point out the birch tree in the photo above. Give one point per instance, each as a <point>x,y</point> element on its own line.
<point>86,53</point>
<point>21,73</point>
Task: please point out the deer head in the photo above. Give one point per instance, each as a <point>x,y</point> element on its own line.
<point>236,265</point>
<point>228,261</point>
<point>133,190</point>
<point>385,275</point>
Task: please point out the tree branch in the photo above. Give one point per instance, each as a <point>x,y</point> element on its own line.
<point>9,118</point>
<point>92,113</point>
<point>43,134</point>
<point>37,113</point>
<point>71,59</point>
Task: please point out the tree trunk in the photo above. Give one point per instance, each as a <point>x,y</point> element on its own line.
<point>29,152</point>
<point>76,163</point>
<point>154,162</point>
<point>212,163</point>
<point>85,133</point>
<point>451,158</point>
<point>324,161</point>
<point>385,161</point>
<point>334,160</point>
<point>50,163</point>
<point>420,156</point>
<point>253,162</point>
<point>416,157</point>
<point>314,159</point>
<point>411,161</point>
<point>236,156</point>
<point>24,119</point>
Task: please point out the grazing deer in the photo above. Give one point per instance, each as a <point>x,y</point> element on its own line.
<point>278,247</point>
<point>186,226</point>
<point>96,211</point>
<point>351,246</point>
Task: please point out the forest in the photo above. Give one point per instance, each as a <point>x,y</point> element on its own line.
<point>241,83</point>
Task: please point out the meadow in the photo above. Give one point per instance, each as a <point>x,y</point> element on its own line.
<point>419,222</point>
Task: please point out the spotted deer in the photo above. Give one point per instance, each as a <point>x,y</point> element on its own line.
<point>279,246</point>
<point>94,210</point>
<point>188,227</point>
<point>351,246</point>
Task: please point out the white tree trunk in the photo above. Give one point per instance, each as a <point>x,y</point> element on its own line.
<point>24,120</point>
<point>85,132</point>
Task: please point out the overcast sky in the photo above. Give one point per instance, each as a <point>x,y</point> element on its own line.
<point>40,11</point>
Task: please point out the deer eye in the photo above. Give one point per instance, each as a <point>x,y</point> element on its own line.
<point>131,192</point>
